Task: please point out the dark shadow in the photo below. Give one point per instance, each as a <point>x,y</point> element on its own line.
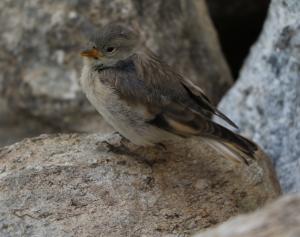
<point>238,24</point>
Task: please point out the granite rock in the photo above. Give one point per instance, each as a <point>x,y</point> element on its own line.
<point>41,41</point>
<point>95,185</point>
<point>279,219</point>
<point>15,126</point>
<point>265,101</point>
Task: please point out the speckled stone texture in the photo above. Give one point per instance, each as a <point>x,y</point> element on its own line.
<point>40,43</point>
<point>280,219</point>
<point>80,185</point>
<point>265,102</point>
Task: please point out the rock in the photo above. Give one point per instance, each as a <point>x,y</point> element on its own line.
<point>280,219</point>
<point>17,125</point>
<point>265,101</point>
<point>92,185</point>
<point>14,127</point>
<point>41,41</point>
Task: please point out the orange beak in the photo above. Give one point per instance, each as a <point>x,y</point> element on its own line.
<point>92,53</point>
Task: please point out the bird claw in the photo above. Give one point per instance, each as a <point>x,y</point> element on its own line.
<point>111,147</point>
<point>161,145</point>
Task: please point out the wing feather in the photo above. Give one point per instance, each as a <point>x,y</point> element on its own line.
<point>177,105</point>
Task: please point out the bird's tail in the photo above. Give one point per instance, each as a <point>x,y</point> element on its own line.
<point>232,145</point>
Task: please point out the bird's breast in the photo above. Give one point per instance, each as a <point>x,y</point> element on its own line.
<point>101,95</point>
<point>128,119</point>
<point>107,102</point>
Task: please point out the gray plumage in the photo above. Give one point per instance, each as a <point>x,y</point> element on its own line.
<point>146,100</point>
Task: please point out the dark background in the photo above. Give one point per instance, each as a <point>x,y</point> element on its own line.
<point>238,23</point>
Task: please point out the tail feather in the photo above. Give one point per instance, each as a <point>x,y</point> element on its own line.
<point>230,151</point>
<point>237,151</point>
<point>242,144</point>
<point>231,144</point>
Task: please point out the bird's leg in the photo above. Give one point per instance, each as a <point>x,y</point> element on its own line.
<point>121,147</point>
<point>161,146</point>
<point>125,147</point>
<point>111,147</point>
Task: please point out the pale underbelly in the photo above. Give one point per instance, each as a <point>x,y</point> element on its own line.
<point>129,122</point>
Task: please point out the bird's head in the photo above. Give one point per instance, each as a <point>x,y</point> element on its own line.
<point>111,44</point>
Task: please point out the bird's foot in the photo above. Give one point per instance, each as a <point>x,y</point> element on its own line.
<point>118,145</point>
<point>161,146</point>
<point>122,146</point>
<point>115,148</point>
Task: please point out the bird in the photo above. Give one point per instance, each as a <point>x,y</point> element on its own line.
<point>146,100</point>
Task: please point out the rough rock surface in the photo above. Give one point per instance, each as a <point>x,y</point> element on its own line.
<point>280,219</point>
<point>265,101</point>
<point>40,43</point>
<point>79,185</point>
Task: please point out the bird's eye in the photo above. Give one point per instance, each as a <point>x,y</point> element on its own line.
<point>110,49</point>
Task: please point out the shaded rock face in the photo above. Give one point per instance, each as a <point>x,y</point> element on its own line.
<point>281,219</point>
<point>41,41</point>
<point>79,185</point>
<point>265,102</point>
<point>15,126</point>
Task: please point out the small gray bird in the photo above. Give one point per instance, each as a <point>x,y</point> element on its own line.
<point>146,100</point>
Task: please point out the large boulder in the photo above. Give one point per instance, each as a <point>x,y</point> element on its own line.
<point>40,43</point>
<point>280,219</point>
<point>95,185</point>
<point>265,101</point>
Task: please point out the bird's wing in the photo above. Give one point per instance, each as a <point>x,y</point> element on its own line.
<point>161,89</point>
<point>197,94</point>
<point>174,104</point>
